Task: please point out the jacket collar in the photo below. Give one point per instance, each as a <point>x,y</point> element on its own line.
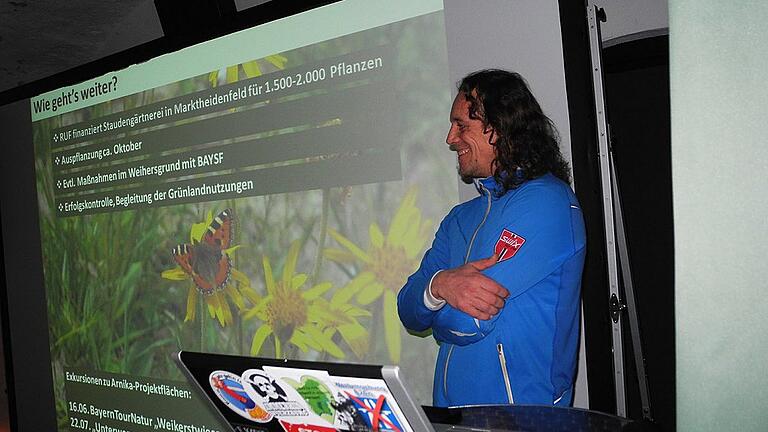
<point>488,184</point>
<point>496,189</point>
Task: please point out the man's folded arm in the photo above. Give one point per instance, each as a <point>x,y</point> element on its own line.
<point>415,308</point>
<point>474,301</point>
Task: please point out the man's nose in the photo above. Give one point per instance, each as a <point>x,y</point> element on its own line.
<point>451,138</point>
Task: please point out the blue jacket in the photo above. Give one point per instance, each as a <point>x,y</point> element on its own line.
<point>526,354</point>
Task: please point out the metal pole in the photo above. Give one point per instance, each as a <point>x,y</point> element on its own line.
<point>595,49</point>
<point>629,295</point>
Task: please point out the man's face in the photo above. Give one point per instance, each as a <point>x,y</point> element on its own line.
<point>472,145</point>
<point>268,390</point>
<point>264,386</point>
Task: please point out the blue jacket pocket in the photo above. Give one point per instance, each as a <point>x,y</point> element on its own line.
<point>453,326</point>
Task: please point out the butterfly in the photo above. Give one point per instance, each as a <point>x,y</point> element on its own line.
<point>205,261</point>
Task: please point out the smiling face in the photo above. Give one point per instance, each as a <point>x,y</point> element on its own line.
<point>264,387</point>
<point>471,142</point>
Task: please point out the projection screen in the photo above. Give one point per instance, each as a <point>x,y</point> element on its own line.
<point>299,166</point>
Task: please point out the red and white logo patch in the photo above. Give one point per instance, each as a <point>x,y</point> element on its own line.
<point>508,245</point>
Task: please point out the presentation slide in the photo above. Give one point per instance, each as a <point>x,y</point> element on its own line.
<point>262,194</point>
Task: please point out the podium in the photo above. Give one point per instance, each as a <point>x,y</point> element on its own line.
<point>528,418</point>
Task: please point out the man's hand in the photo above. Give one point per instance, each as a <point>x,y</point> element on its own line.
<point>470,291</point>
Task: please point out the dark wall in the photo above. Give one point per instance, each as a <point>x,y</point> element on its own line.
<point>22,296</point>
<point>637,96</point>
<point>5,421</point>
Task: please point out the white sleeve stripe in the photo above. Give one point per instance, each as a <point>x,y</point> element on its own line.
<point>430,301</point>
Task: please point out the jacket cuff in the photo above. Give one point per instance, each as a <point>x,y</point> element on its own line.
<point>430,301</point>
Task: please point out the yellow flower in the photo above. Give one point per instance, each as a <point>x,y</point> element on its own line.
<point>291,315</point>
<point>341,316</point>
<point>387,263</point>
<point>218,305</point>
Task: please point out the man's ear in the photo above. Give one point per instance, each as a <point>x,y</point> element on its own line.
<point>493,138</point>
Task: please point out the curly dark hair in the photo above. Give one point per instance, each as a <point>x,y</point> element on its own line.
<point>526,140</point>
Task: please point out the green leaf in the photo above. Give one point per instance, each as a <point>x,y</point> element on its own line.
<point>234,294</point>
<point>317,291</point>
<point>377,237</point>
<point>403,216</point>
<point>268,277</point>
<point>259,337</point>
<point>298,280</point>
<point>344,294</point>
<point>304,338</point>
<point>259,309</point>
<point>299,342</point>
<point>198,230</point>
<point>290,263</point>
<point>278,346</point>
<point>128,287</point>
<point>391,326</point>
<point>321,316</point>
<point>328,345</point>
<point>174,274</point>
<point>221,313</point>
<point>359,253</point>
<point>252,295</point>
<point>338,255</point>
<point>191,304</point>
<point>370,293</point>
<point>230,252</point>
<point>357,312</point>
<point>356,337</point>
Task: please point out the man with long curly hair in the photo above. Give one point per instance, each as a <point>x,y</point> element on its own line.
<point>500,286</point>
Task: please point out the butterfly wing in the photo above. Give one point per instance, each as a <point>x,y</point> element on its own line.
<point>206,261</point>
<point>182,254</point>
<point>208,266</point>
<point>219,233</point>
<point>221,271</point>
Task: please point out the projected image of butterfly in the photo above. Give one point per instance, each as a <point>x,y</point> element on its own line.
<point>205,260</point>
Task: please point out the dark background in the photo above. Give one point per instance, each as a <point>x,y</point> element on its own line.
<point>637,93</point>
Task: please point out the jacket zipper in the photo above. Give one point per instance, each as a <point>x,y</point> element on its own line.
<point>445,371</point>
<point>466,259</point>
<point>504,373</point>
<point>482,222</point>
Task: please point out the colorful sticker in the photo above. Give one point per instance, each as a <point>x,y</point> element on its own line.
<point>304,427</point>
<point>367,400</point>
<point>312,385</point>
<point>228,387</point>
<point>376,412</point>
<point>280,399</point>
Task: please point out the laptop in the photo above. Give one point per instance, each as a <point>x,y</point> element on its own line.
<point>253,394</point>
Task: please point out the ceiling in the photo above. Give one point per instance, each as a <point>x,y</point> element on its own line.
<point>39,38</point>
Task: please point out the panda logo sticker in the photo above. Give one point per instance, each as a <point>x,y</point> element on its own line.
<point>228,387</point>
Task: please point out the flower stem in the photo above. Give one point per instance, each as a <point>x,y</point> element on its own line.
<point>239,324</point>
<point>203,313</point>
<point>323,235</point>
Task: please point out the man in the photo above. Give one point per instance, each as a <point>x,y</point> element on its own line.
<point>499,288</point>
<point>266,387</point>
